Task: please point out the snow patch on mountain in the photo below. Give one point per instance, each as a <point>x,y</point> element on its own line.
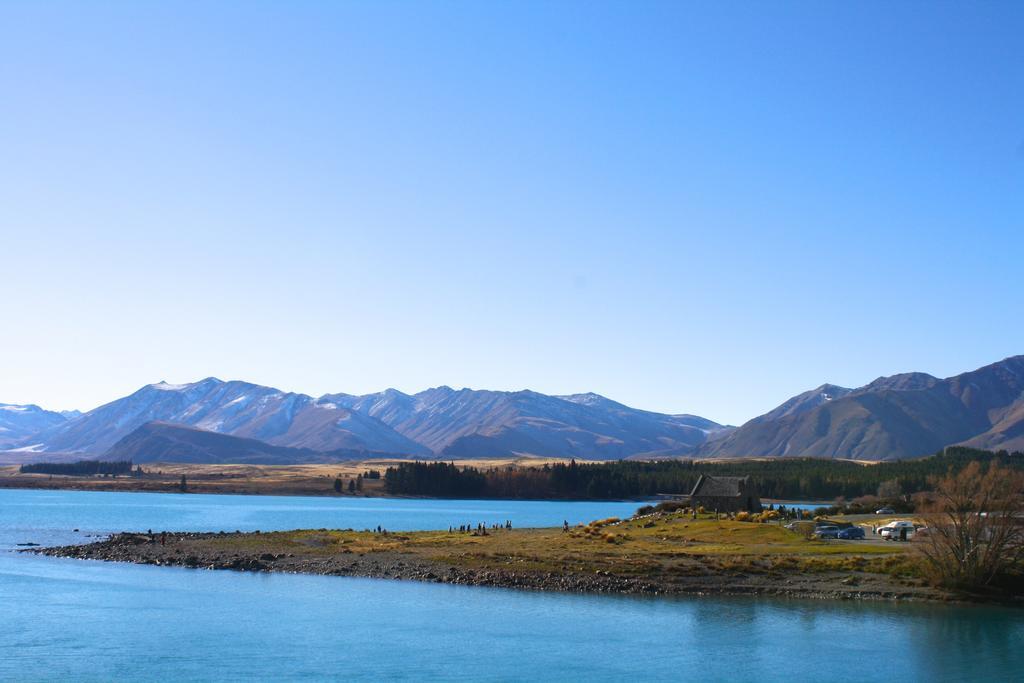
<point>164,386</point>
<point>34,448</point>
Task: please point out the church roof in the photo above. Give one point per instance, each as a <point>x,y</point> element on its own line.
<point>721,486</point>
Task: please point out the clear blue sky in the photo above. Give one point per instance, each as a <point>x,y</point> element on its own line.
<point>688,207</point>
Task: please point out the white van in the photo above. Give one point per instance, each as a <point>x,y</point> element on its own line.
<point>894,530</point>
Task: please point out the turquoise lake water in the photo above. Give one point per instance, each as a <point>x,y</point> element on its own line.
<point>78,621</point>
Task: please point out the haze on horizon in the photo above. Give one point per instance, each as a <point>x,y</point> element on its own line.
<point>328,197</point>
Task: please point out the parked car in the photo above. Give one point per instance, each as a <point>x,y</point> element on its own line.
<point>852,533</point>
<point>893,529</point>
<point>885,511</point>
<point>827,532</point>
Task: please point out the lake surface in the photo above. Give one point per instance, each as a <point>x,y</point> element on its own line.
<point>95,621</point>
<point>50,517</point>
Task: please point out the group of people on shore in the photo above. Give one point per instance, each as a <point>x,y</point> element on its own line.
<point>480,528</point>
<point>162,538</point>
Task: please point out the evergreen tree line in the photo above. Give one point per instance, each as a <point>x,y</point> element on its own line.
<point>782,478</point>
<point>81,468</point>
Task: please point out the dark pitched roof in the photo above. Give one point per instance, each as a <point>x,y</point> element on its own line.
<point>720,486</point>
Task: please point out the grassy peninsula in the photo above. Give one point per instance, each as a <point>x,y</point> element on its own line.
<point>661,553</point>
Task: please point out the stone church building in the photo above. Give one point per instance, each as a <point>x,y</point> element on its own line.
<point>725,494</point>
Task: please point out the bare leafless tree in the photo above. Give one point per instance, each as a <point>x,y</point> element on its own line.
<point>976,532</point>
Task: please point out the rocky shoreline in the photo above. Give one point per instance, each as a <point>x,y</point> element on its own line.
<point>221,551</point>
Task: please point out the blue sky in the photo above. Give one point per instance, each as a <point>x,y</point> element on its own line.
<point>688,207</point>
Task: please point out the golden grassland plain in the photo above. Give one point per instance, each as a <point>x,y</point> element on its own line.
<point>304,480</point>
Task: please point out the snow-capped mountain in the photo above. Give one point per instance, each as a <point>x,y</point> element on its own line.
<point>477,423</point>
<point>20,422</point>
<point>440,421</point>
<point>894,417</point>
<point>235,408</point>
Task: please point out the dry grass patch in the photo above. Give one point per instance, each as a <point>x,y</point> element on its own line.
<point>676,544</point>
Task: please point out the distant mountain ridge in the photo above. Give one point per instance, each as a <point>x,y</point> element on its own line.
<point>471,423</point>
<point>902,416</point>
<point>235,408</point>
<point>803,402</point>
<point>899,416</point>
<point>20,422</point>
<point>165,442</point>
<point>436,422</point>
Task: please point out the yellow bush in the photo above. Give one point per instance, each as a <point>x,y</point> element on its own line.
<point>743,516</point>
<point>766,516</point>
<point>605,522</point>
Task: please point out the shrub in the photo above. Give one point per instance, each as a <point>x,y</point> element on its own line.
<point>976,538</point>
<point>671,506</point>
<point>743,516</point>
<point>805,529</point>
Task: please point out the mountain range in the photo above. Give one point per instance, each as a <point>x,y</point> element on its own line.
<point>899,416</point>
<point>169,419</point>
<point>18,423</point>
<point>896,417</point>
